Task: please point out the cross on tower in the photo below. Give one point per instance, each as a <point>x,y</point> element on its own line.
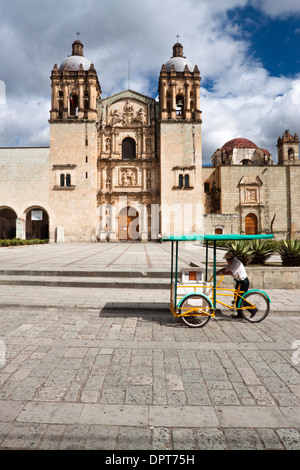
<point>177,36</point>
<point>78,34</point>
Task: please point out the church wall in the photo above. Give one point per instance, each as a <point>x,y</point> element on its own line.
<point>269,195</point>
<point>293,176</point>
<point>24,182</point>
<point>277,203</point>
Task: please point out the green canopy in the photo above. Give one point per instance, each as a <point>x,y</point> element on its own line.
<point>227,237</point>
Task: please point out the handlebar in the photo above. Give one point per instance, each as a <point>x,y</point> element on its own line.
<point>222,277</point>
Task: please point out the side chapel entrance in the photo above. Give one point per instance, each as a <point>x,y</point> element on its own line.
<point>251,224</point>
<point>128,224</point>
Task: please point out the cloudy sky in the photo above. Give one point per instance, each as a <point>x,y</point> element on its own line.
<point>248,53</point>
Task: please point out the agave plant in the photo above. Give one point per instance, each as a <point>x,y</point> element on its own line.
<point>289,251</point>
<point>242,250</point>
<point>262,250</point>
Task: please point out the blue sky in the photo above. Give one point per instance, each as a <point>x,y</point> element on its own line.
<point>273,41</point>
<point>248,53</point>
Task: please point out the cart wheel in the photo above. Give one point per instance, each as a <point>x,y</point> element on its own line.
<point>196,310</point>
<point>259,306</point>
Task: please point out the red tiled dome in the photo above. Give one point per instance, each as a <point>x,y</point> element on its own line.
<point>239,143</point>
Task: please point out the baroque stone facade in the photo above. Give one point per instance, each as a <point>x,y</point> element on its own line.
<point>127,167</point>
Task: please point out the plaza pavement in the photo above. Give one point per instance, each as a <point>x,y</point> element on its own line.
<point>106,366</point>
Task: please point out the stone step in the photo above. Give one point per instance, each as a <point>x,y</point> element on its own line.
<point>126,282</point>
<point>152,274</point>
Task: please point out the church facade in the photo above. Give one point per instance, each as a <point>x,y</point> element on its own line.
<point>127,167</point>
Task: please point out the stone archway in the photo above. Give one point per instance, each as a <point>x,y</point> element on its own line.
<point>128,224</point>
<point>8,219</point>
<point>37,224</point>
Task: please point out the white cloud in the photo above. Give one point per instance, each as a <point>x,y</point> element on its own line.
<point>24,122</point>
<point>275,8</point>
<point>238,95</point>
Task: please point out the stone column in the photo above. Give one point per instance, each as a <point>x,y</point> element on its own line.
<point>20,229</point>
<point>66,101</point>
<point>112,222</point>
<point>102,234</point>
<point>80,101</point>
<point>173,101</point>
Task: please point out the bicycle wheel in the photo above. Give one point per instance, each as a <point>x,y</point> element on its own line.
<point>259,306</point>
<point>196,310</point>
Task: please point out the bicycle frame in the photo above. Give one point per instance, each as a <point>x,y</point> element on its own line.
<point>236,304</point>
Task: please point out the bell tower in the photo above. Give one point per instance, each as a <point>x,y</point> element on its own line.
<point>180,146</point>
<point>73,147</point>
<point>288,149</point>
<point>75,87</point>
<point>179,88</point>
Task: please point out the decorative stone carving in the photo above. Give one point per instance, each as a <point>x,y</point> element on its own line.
<point>251,196</point>
<point>128,116</point>
<point>128,177</point>
<point>250,190</point>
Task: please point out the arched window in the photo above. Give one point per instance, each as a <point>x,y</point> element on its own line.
<point>186,181</point>
<point>60,104</point>
<point>73,104</point>
<point>62,179</point>
<point>128,149</point>
<point>180,182</point>
<point>291,154</point>
<point>179,105</point>
<point>86,100</point>
<point>68,180</point>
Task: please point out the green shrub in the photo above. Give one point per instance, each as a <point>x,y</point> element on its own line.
<point>289,251</point>
<point>19,241</point>
<point>262,251</point>
<point>242,250</point>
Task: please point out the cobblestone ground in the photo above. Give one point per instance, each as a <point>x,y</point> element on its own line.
<point>79,379</point>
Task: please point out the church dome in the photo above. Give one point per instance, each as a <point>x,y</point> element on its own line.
<point>179,64</point>
<point>178,60</point>
<point>73,61</point>
<point>238,143</point>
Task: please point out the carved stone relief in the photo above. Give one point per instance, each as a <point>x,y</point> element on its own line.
<point>251,196</point>
<point>128,116</point>
<point>128,177</point>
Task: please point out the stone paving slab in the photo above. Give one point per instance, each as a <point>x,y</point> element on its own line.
<point>111,368</point>
<point>79,379</point>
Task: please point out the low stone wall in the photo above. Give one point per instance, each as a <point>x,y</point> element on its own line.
<point>270,277</point>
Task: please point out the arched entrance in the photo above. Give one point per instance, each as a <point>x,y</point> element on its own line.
<point>37,224</point>
<point>128,224</point>
<point>8,219</point>
<point>251,224</point>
